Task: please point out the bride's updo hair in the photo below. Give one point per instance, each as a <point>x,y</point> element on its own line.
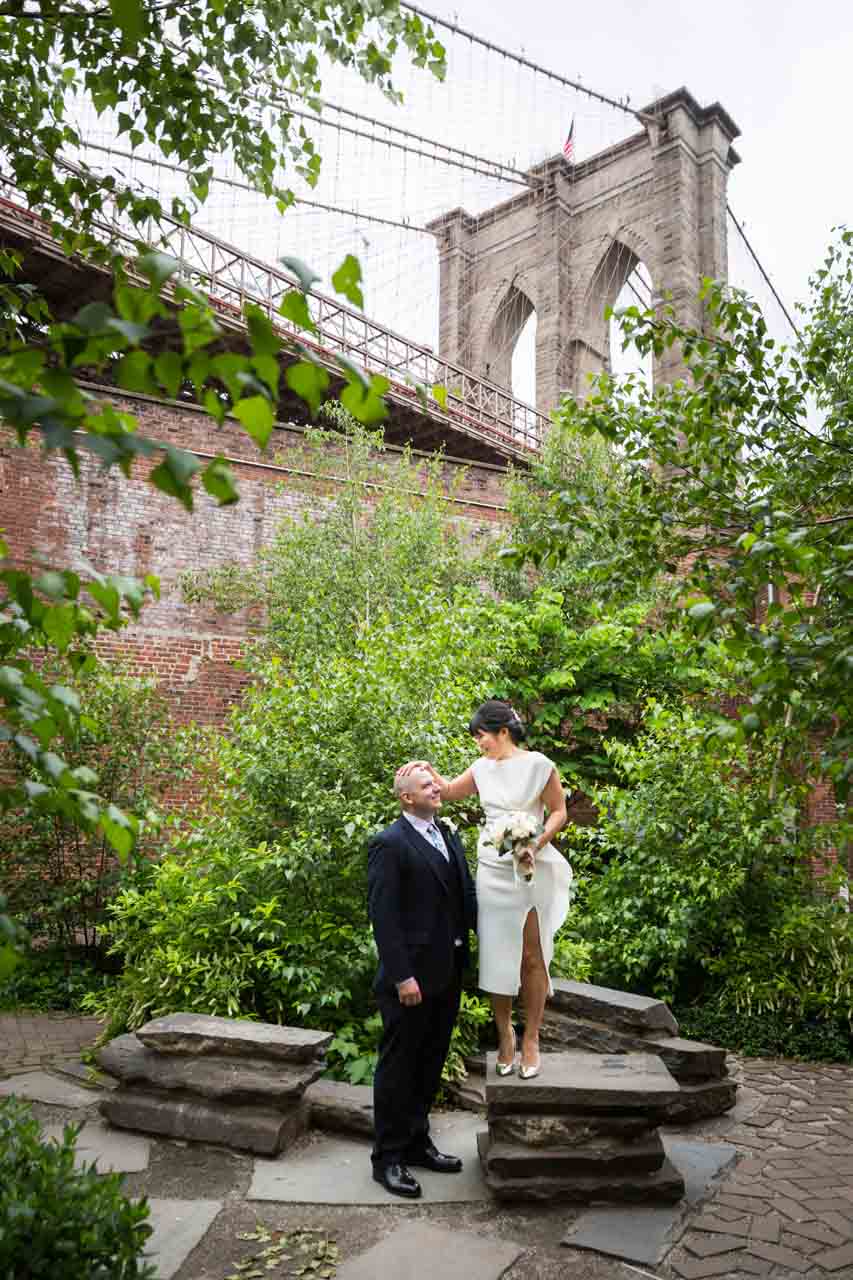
<point>495,715</point>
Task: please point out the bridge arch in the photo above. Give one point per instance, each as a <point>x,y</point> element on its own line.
<point>568,244</point>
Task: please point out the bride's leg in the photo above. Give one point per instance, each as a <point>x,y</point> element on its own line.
<point>502,1009</point>
<point>534,988</point>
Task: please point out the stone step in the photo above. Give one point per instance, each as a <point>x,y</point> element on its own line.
<point>664,1185</point>
<point>602,1131</point>
<point>216,1076</point>
<point>619,1009</point>
<point>585,1081</point>
<point>199,1033</point>
<point>686,1059</point>
<point>340,1107</point>
<point>262,1130</point>
<point>702,1100</point>
<point>511,1160</point>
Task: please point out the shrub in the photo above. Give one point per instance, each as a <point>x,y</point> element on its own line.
<point>57,1221</point>
<point>769,1034</point>
<point>695,880</point>
<point>260,907</point>
<point>51,979</point>
<point>59,875</point>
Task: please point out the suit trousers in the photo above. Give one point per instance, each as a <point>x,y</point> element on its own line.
<point>415,1040</point>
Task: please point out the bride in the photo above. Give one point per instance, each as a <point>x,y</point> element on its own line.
<point>516,920</point>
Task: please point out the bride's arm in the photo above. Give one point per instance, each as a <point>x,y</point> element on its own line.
<point>451,789</point>
<point>554,799</point>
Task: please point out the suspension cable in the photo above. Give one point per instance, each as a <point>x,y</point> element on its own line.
<point>524,62</point>
<point>764,274</point>
<point>523,180</point>
<point>245,186</point>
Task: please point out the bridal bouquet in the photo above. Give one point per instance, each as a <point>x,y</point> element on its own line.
<point>514,834</point>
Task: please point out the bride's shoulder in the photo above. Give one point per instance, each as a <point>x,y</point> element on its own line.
<point>536,760</point>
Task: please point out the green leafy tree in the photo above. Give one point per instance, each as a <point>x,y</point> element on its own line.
<point>382,544</point>
<point>736,479</point>
<point>184,78</point>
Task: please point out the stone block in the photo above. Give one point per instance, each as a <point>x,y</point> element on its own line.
<point>509,1159</point>
<point>601,1131</point>
<point>665,1185</point>
<point>221,1077</point>
<point>685,1059</point>
<point>619,1009</point>
<point>262,1130</point>
<point>701,1101</point>
<point>341,1108</point>
<point>585,1082</point>
<point>199,1033</point>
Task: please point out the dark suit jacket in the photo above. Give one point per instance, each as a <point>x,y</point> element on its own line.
<point>410,909</point>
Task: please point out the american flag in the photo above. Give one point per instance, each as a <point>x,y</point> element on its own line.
<point>569,144</point>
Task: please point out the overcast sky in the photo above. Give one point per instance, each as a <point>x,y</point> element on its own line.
<point>783,71</point>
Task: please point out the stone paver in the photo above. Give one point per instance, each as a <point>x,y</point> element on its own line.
<point>793,1189</point>
<point>337,1171</point>
<point>28,1041</point>
<point>112,1150</point>
<point>178,1225</point>
<point>418,1251</point>
<point>40,1086</point>
<point>787,1202</point>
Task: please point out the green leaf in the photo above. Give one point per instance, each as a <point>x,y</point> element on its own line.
<point>218,480</point>
<point>158,267</point>
<point>59,625</point>
<point>169,370</point>
<point>294,307</point>
<point>265,341</point>
<point>174,473</point>
<point>309,381</point>
<point>304,274</point>
<point>116,828</point>
<point>129,17</point>
<point>256,415</point>
<point>440,396</point>
<point>701,610</point>
<point>347,280</point>
<point>366,407</point>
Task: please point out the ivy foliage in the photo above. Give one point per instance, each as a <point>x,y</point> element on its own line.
<point>736,478</point>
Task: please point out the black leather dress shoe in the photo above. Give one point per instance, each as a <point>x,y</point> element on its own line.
<point>397,1179</point>
<point>429,1158</point>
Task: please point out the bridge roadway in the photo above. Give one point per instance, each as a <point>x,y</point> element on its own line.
<point>480,422</point>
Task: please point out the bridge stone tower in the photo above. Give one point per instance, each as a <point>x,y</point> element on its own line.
<point>566,247</point>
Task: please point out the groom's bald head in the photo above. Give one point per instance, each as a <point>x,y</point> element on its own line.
<point>409,784</point>
<point>418,792</point>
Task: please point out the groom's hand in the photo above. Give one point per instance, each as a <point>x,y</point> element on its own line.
<point>409,991</point>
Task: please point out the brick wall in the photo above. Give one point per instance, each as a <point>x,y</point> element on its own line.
<point>127,526</point>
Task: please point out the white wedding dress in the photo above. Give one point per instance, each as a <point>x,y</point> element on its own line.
<point>504,899</point>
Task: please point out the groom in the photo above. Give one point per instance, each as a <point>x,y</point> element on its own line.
<point>422,903</point>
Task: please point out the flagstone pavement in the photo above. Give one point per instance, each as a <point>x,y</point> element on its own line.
<point>784,1209</point>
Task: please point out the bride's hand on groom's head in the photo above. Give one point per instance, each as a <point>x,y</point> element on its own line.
<point>411,766</point>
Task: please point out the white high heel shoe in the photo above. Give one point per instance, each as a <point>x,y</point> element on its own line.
<point>507,1068</point>
<point>530,1073</point>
